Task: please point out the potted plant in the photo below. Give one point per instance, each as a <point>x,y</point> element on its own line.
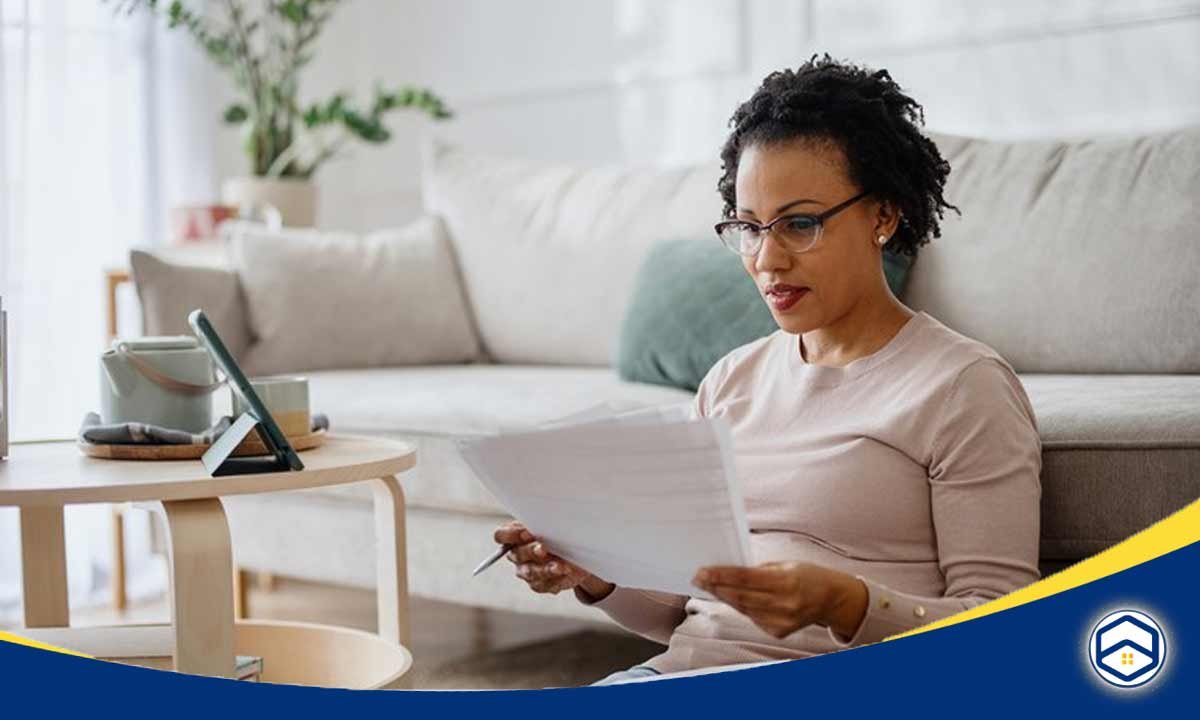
<point>263,45</point>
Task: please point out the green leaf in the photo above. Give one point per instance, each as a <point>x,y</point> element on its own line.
<point>334,109</point>
<point>370,131</point>
<point>293,11</point>
<point>312,117</point>
<point>235,114</point>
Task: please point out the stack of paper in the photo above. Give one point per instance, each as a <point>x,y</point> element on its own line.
<point>642,499</point>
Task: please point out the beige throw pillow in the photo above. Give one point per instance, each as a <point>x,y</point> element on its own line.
<point>1071,256</point>
<point>549,252</point>
<point>335,300</point>
<point>169,291</point>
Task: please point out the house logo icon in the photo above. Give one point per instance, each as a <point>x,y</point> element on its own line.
<point>1127,648</point>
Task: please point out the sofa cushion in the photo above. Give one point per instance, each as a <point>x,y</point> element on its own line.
<point>400,286</point>
<point>1071,256</point>
<point>432,405</point>
<point>1098,230</point>
<point>1116,411</point>
<point>549,252</point>
<point>1119,452</point>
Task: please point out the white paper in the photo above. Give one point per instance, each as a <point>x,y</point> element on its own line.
<point>642,499</point>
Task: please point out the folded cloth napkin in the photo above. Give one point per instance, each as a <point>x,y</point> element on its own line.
<point>135,433</point>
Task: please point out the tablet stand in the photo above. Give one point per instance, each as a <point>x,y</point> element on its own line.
<point>217,460</point>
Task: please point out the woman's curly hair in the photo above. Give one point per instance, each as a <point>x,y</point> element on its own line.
<point>870,118</point>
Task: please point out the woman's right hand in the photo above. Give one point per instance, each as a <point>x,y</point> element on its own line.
<point>543,571</point>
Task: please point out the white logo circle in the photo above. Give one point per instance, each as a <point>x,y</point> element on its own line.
<point>1127,648</point>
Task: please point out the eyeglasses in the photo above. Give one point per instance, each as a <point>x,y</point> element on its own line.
<point>796,233</point>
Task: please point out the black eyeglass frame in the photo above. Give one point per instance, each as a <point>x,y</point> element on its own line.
<point>818,222</point>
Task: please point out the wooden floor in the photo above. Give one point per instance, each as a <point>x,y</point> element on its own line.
<point>453,646</point>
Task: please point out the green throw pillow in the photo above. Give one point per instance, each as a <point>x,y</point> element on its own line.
<point>693,303</point>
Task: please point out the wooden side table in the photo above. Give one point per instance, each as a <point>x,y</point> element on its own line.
<point>40,478</point>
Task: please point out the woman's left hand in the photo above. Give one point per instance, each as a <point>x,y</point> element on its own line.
<point>782,598</point>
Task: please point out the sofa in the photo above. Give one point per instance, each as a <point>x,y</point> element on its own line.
<point>1076,260</point>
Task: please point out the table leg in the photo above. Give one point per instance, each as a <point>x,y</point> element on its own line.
<point>391,561</point>
<point>201,586</point>
<point>113,279</point>
<point>117,585</point>
<point>44,567</point>
<point>241,594</point>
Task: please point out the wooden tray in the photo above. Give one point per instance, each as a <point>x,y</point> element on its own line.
<point>248,447</point>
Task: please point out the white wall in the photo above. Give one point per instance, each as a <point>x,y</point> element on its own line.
<point>654,81</point>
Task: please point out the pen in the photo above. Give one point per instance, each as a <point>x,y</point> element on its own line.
<point>491,559</point>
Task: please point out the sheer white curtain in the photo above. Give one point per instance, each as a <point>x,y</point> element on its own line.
<point>97,137</point>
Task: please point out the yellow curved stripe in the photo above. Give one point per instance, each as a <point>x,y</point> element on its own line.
<point>1178,530</point>
<point>18,640</point>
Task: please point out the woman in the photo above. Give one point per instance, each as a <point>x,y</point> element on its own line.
<point>889,464</point>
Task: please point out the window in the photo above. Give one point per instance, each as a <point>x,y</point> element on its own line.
<point>82,169</point>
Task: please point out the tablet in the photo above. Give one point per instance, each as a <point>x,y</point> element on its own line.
<point>273,438</point>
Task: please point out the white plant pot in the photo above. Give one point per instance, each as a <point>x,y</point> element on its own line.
<point>295,200</point>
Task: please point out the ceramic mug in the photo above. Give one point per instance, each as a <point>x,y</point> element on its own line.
<point>286,398</point>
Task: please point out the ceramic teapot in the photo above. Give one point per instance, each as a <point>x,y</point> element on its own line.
<point>165,381</point>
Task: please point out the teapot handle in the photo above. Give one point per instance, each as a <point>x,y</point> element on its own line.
<point>165,381</point>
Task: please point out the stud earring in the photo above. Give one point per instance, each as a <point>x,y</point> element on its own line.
<point>882,240</point>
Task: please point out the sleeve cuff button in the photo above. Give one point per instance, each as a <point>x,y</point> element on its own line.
<point>919,611</point>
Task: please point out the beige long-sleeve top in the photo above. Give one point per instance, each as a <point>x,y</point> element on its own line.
<point>915,468</point>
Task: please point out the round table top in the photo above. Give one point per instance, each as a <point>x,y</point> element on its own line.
<point>57,473</point>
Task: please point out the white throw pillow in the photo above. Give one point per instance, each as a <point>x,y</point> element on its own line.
<point>321,300</point>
